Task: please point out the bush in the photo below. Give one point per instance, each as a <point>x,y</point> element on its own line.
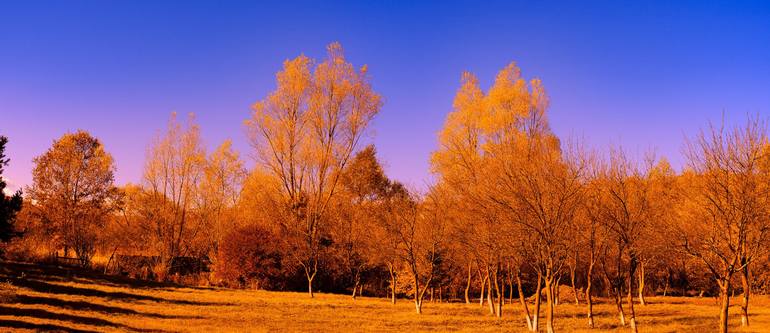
<point>247,258</point>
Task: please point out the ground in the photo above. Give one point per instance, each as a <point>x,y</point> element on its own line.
<point>47,298</point>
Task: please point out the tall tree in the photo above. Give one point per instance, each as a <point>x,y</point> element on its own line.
<point>173,171</point>
<point>9,205</point>
<point>728,196</point>
<point>364,186</point>
<point>219,192</point>
<point>305,132</point>
<point>73,191</point>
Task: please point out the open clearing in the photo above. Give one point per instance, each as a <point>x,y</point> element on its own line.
<point>48,298</point>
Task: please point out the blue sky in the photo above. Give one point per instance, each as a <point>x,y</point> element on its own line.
<point>638,74</point>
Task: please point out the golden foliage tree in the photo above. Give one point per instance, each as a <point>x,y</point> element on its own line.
<point>304,133</point>
<point>73,192</point>
<point>727,205</point>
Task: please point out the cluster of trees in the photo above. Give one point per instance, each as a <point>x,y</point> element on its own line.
<point>514,210</point>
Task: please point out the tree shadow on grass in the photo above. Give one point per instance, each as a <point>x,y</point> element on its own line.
<point>86,306</point>
<point>61,273</point>
<point>44,314</point>
<point>50,288</point>
<point>18,324</point>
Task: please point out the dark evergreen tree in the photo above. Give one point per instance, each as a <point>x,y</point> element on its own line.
<point>9,205</point>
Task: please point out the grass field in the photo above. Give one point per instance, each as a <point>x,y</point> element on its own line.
<point>53,299</point>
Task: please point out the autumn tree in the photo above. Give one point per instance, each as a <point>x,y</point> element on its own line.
<point>9,205</point>
<point>219,192</point>
<point>305,132</point>
<point>173,170</point>
<point>73,192</point>
<point>364,185</point>
<point>726,225</point>
<point>416,225</point>
<point>626,212</point>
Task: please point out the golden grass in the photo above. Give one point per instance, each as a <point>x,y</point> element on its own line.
<point>67,301</point>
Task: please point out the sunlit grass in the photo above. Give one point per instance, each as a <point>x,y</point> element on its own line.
<point>94,303</point>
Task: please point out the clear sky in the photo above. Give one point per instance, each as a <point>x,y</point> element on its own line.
<point>638,74</point>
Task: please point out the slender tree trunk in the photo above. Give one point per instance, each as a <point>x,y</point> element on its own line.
<point>468,286</point>
<point>499,292</point>
<point>550,302</point>
<point>619,305</point>
<point>589,299</point>
<point>490,299</point>
<point>483,280</point>
<point>310,277</point>
<point>746,282</point>
<point>355,289</point>
<point>510,287</point>
<point>724,294</point>
<point>574,289</point>
<point>523,301</point>
<point>417,298</point>
<point>641,284</point>
<point>631,313</point>
<point>392,284</point>
<point>538,296</point>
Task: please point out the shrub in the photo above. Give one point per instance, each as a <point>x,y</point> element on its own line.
<point>247,258</point>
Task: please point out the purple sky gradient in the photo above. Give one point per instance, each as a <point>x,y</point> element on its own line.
<point>643,76</point>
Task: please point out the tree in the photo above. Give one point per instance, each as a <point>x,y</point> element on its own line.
<point>305,132</point>
<point>172,173</point>
<point>417,227</point>
<point>625,212</point>
<point>726,225</point>
<point>73,192</point>
<point>364,185</point>
<point>9,205</point>
<point>219,192</point>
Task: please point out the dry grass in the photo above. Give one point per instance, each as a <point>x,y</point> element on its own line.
<point>48,298</point>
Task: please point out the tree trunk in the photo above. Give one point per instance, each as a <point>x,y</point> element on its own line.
<point>510,287</point>
<point>746,282</point>
<point>499,292</point>
<point>392,284</point>
<point>483,280</point>
<point>574,290</point>
<point>538,295</point>
<point>490,300</point>
<point>641,284</point>
<point>310,276</point>
<point>619,305</point>
<point>355,289</point>
<point>523,301</point>
<point>589,299</point>
<point>550,302</point>
<point>468,286</point>
<point>417,298</point>
<point>724,291</point>
<point>631,313</point>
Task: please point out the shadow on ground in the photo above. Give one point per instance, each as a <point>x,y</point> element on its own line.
<point>47,279</point>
